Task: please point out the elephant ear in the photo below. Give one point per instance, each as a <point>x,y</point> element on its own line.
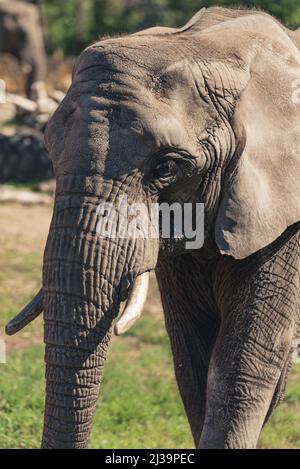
<point>207,17</point>
<point>295,36</point>
<point>261,193</point>
<point>202,20</point>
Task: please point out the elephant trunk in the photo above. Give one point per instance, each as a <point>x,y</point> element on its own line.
<point>73,374</point>
<point>83,278</point>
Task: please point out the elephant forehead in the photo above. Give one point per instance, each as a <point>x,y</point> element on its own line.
<point>130,54</point>
<point>116,115</point>
<point>115,137</point>
<point>122,138</point>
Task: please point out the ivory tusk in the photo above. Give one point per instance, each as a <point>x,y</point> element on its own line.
<point>134,305</point>
<point>130,315</point>
<point>28,314</point>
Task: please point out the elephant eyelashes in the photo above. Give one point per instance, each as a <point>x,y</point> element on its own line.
<point>167,169</point>
<point>168,166</point>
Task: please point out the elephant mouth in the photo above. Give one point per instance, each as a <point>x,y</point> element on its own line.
<point>134,294</point>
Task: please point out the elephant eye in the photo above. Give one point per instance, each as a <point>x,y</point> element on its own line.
<point>166,169</point>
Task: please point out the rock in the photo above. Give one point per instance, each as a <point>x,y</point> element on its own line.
<point>10,194</point>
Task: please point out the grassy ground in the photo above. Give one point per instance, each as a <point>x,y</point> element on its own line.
<point>139,405</point>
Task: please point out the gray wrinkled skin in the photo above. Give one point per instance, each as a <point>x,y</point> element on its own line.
<point>215,99</point>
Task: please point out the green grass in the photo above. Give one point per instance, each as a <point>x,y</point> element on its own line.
<point>139,405</point>
<point>21,399</point>
<point>283,428</point>
<point>18,274</point>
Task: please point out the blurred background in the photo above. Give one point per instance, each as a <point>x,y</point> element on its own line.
<point>71,24</point>
<point>139,405</point>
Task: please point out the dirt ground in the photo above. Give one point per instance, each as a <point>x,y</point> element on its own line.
<point>24,226</point>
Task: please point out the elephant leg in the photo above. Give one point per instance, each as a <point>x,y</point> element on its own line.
<point>280,388</point>
<point>258,305</point>
<point>192,324</point>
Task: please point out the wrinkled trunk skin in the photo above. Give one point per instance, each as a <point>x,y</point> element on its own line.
<point>82,275</point>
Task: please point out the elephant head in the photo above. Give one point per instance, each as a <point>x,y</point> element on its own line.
<point>199,114</point>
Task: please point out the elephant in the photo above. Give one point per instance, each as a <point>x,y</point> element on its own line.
<point>21,35</point>
<point>203,114</point>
